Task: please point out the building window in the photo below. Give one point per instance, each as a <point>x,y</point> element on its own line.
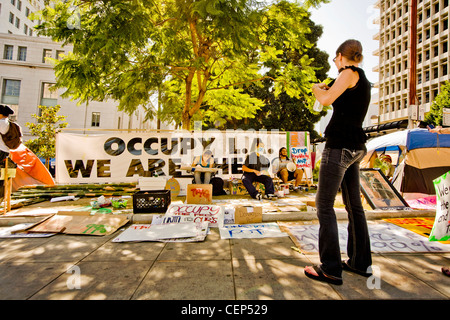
<point>11,91</point>
<point>22,54</point>
<point>17,23</point>
<point>25,29</point>
<point>11,18</point>
<point>59,54</point>
<point>95,119</point>
<point>27,12</point>
<point>19,5</point>
<point>49,96</point>
<point>8,52</point>
<point>47,53</point>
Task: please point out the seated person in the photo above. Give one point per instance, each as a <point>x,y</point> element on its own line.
<point>280,168</point>
<point>205,161</point>
<point>252,167</point>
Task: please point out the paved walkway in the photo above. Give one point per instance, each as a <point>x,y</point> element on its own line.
<point>47,268</point>
<point>68,267</point>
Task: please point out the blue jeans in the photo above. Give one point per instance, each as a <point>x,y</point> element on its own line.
<point>340,168</point>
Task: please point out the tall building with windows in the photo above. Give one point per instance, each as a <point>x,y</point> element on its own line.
<point>15,16</point>
<point>27,75</point>
<point>433,56</point>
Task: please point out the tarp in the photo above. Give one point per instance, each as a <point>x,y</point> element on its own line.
<point>30,170</point>
<point>426,157</point>
<point>411,139</point>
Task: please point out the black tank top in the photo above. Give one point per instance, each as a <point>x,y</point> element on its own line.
<point>349,110</point>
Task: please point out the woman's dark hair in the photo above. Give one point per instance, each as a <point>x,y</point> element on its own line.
<point>352,50</point>
<point>5,110</point>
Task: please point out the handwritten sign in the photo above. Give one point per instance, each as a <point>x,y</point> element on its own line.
<point>199,212</point>
<point>251,231</point>
<point>244,215</point>
<point>384,237</point>
<point>441,227</point>
<point>199,194</point>
<point>301,157</point>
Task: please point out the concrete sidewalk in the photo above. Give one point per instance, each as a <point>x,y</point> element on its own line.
<point>48,268</point>
<point>68,267</point>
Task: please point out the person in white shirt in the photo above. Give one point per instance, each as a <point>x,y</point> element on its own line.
<point>5,112</point>
<point>285,168</point>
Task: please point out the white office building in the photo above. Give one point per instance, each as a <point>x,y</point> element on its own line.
<point>26,77</point>
<point>432,55</point>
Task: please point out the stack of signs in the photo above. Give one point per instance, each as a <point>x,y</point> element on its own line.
<point>441,227</point>
<point>157,232</point>
<point>181,223</point>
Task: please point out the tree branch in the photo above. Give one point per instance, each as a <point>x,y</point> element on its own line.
<point>242,82</point>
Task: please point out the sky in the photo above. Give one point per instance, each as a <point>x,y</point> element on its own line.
<point>349,19</point>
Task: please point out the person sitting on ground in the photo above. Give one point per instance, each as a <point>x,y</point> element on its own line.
<point>204,161</point>
<point>286,170</point>
<point>253,168</point>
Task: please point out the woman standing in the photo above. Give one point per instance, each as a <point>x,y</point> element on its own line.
<point>344,149</point>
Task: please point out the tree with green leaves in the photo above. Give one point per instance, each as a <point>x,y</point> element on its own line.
<point>197,52</point>
<point>283,111</point>
<point>47,125</point>
<point>441,101</point>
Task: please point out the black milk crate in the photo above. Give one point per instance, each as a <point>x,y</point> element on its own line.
<point>152,201</point>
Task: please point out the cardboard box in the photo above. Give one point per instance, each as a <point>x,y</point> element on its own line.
<point>245,215</point>
<point>199,194</point>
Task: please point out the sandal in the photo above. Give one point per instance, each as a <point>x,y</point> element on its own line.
<point>323,277</point>
<point>446,271</point>
<point>346,267</point>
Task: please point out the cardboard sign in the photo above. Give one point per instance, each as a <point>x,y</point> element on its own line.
<point>245,215</point>
<point>80,223</point>
<point>199,194</point>
<point>441,227</point>
<point>301,157</point>
<point>199,212</point>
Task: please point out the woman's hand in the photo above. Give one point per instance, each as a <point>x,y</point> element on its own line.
<point>321,86</point>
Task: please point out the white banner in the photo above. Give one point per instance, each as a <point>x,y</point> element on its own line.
<point>126,157</point>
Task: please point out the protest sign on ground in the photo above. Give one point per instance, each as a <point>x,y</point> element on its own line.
<point>441,227</point>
